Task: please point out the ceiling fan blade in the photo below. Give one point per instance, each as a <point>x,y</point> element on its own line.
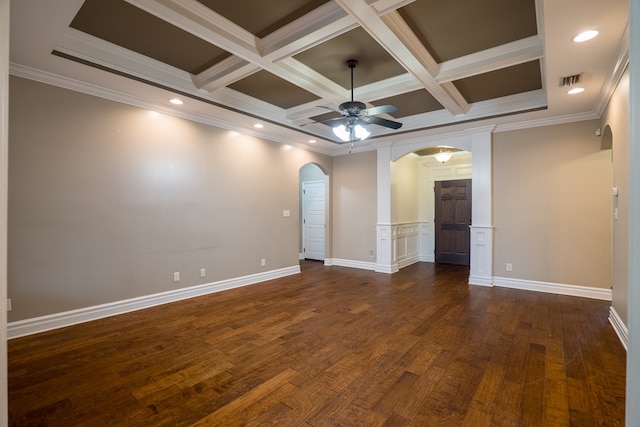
<point>333,119</point>
<point>379,110</point>
<point>335,110</point>
<point>381,122</point>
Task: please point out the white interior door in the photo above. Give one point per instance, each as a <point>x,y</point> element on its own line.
<point>313,219</point>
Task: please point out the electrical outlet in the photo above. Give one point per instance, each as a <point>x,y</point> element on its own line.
<point>8,304</point>
<point>176,276</point>
<point>263,262</point>
<point>509,266</point>
<point>372,253</point>
<point>203,272</point>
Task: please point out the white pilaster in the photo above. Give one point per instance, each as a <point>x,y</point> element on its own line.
<point>481,268</point>
<point>386,261</point>
<point>633,352</point>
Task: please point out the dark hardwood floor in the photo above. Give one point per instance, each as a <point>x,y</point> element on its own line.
<point>332,346</point>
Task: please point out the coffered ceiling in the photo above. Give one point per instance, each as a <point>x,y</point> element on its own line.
<point>279,62</point>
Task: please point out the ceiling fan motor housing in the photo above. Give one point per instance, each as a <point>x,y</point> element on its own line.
<point>352,107</point>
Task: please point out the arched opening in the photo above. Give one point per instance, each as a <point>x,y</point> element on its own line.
<point>606,143</point>
<point>479,142</point>
<point>314,213</point>
<point>414,178</point>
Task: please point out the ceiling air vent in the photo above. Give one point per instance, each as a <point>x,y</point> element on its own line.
<point>570,80</point>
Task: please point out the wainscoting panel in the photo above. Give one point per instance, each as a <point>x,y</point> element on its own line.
<point>426,247</point>
<point>407,242</point>
<point>385,249</point>
<point>398,246</point>
<point>481,269</point>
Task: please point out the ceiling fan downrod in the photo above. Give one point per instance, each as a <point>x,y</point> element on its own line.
<point>351,63</point>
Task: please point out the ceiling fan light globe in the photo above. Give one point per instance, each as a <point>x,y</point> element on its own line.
<point>342,132</point>
<point>361,132</point>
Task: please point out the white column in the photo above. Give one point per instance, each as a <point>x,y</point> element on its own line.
<point>481,268</point>
<point>386,259</point>
<point>633,351</point>
<point>4,143</point>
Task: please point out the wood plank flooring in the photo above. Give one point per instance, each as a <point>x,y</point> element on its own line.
<point>332,346</point>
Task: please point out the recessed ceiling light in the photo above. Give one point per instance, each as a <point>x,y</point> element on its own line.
<point>585,35</point>
<point>176,101</point>
<point>312,141</point>
<point>575,90</point>
<point>258,126</point>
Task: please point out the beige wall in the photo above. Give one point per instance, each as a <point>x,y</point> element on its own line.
<point>405,197</point>
<point>552,205</point>
<point>616,117</point>
<point>354,196</point>
<point>106,201</point>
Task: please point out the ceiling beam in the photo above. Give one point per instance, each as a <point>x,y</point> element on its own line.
<point>202,22</point>
<point>317,26</point>
<point>224,73</point>
<point>273,53</point>
<point>400,44</point>
<point>509,54</point>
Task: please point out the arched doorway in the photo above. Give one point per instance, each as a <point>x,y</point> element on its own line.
<point>477,141</point>
<point>434,174</point>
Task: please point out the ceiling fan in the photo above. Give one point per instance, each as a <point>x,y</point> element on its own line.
<point>355,115</point>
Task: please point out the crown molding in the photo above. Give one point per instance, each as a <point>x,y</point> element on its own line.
<point>547,121</point>
<point>616,71</point>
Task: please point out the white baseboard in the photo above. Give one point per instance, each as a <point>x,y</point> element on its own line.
<point>406,262</point>
<point>554,288</point>
<point>350,263</point>
<point>59,320</point>
<point>387,269</point>
<point>480,281</point>
<point>619,327</point>
<point>373,266</point>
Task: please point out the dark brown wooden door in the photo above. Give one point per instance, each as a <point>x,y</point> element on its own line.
<point>453,218</point>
